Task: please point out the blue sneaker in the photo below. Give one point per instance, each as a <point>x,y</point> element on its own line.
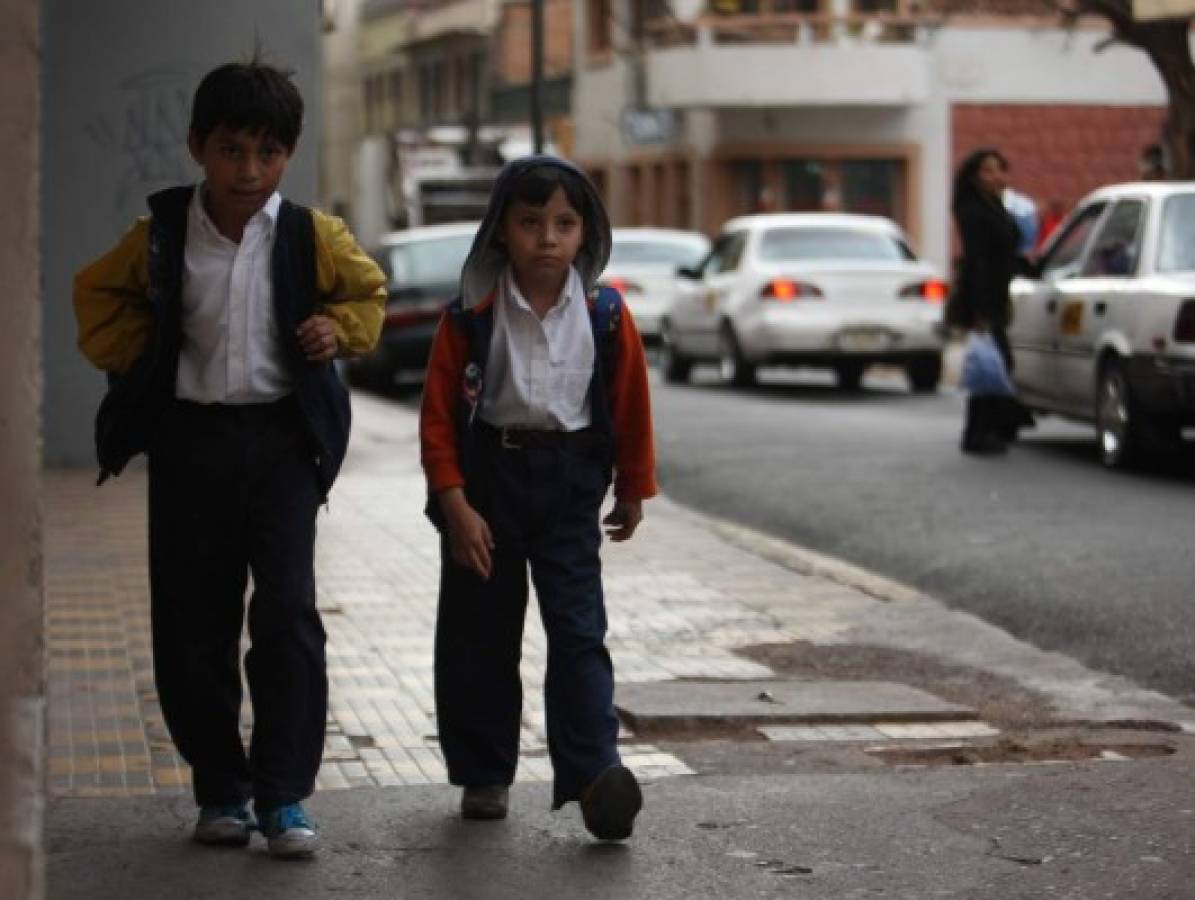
<point>224,826</point>
<point>289,833</point>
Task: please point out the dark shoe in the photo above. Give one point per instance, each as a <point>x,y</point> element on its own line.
<point>485,802</point>
<point>610,804</point>
<point>984,445</point>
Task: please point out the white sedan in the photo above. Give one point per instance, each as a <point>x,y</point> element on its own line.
<point>823,290</point>
<point>1103,330</point>
<point>643,264</point>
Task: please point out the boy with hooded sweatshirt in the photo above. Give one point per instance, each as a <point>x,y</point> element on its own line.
<point>536,395</point>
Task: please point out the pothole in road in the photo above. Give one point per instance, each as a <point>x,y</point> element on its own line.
<point>1015,751</point>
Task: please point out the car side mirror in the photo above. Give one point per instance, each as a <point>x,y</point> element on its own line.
<point>688,273</point>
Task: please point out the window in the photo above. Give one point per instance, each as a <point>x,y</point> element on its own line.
<point>1062,261</point>
<point>804,185</point>
<point>800,244</point>
<point>1176,249</point>
<point>394,97</point>
<point>1118,244</point>
<point>430,264</point>
<point>668,253</point>
<point>599,26</point>
<point>727,252</point>
<point>873,186</point>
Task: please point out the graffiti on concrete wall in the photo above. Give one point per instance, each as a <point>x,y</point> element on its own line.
<point>146,128</point>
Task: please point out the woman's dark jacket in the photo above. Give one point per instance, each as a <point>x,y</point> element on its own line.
<point>990,260</point>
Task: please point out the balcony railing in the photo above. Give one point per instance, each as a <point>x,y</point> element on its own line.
<point>794,21</point>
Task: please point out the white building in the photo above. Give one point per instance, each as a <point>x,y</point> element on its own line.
<point>777,104</point>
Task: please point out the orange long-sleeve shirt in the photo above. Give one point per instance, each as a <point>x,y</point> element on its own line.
<point>630,410</point>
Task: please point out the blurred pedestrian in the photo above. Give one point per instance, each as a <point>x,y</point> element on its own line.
<point>980,300</point>
<point>1023,210</point>
<point>1050,220</point>
<point>536,395</point>
<point>218,318</point>
<point>1152,163</point>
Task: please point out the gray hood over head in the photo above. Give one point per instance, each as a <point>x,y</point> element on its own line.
<point>486,260</point>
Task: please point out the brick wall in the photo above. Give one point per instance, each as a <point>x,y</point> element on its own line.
<point>1058,152</point>
<point>513,41</point>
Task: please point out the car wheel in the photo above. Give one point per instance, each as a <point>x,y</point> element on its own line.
<point>732,367</point>
<point>1118,426</point>
<point>849,375</point>
<point>925,373</point>
<point>674,365</point>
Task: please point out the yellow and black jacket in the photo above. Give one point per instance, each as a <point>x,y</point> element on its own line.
<point>128,310</point>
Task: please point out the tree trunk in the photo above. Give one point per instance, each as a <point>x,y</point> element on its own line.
<point>1166,42</point>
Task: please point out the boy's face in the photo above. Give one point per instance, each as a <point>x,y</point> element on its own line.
<point>242,169</point>
<point>542,241</point>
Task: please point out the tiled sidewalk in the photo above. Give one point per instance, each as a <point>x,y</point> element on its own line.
<point>673,595</point>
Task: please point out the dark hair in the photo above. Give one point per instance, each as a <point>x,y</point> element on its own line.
<point>965,187</point>
<point>251,97</point>
<point>535,186</point>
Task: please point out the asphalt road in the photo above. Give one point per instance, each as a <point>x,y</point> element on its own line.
<point>1044,542</point>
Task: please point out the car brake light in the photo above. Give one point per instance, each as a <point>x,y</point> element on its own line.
<point>932,291</point>
<point>1184,325</point>
<point>623,286</point>
<point>786,291</point>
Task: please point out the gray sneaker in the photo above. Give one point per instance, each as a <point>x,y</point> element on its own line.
<point>289,833</point>
<point>224,826</point>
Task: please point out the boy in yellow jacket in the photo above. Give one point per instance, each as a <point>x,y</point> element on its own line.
<point>217,319</point>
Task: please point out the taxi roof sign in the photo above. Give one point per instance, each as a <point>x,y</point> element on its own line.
<point>1145,10</point>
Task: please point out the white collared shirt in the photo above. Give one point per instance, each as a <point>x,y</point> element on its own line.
<point>539,370</point>
<point>230,349</point>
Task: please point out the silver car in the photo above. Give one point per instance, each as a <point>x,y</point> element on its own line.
<point>1103,330</point>
<point>827,290</point>
<point>643,264</point>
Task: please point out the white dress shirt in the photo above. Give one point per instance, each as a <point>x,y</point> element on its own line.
<point>539,370</point>
<point>230,350</point>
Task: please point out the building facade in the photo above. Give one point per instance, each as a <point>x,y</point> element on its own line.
<point>434,95</point>
<point>865,106</point>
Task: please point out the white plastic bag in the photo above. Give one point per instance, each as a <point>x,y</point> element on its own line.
<point>984,374</point>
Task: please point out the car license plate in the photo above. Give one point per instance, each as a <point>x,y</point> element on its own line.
<point>863,340</point>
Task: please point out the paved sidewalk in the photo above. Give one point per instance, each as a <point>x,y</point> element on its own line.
<point>682,596</point>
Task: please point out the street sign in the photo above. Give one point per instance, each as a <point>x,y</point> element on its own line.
<point>648,125</point>
<point>1144,10</point>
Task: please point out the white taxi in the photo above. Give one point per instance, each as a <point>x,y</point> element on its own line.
<point>1103,329</point>
<point>824,290</point>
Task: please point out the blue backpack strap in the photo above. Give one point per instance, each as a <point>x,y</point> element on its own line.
<point>605,317</point>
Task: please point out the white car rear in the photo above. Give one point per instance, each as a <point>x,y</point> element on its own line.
<point>822,290</point>
<point>643,265</point>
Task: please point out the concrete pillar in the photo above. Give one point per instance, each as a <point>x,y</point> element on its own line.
<point>22,691</point>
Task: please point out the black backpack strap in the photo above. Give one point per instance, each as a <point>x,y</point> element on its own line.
<point>605,317</point>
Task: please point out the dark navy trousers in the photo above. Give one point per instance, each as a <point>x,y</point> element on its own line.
<point>543,504</point>
<point>233,491</point>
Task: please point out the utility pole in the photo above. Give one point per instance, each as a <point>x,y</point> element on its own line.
<point>537,74</point>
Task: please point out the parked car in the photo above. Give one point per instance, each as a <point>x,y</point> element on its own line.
<point>826,290</point>
<point>643,264</point>
<point>1103,329</point>
<point>423,271</point>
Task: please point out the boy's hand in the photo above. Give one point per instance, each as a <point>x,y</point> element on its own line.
<point>625,518</point>
<point>317,337</point>
<point>469,536</point>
